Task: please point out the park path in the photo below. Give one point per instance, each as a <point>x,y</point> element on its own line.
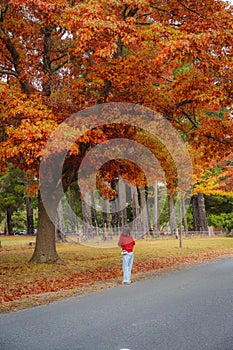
<point>190,309</point>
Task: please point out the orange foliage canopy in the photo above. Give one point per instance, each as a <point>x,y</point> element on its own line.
<point>61,56</point>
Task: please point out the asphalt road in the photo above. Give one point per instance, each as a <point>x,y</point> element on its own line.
<point>187,310</point>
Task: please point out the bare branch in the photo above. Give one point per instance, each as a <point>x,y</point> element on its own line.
<point>190,119</point>
<point>124,13</point>
<point>143,23</point>
<point>158,8</point>
<point>57,67</point>
<point>131,13</point>
<point>144,15</point>
<point>225,142</point>
<point>9,72</point>
<point>3,12</point>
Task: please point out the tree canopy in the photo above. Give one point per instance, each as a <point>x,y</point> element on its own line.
<point>61,56</point>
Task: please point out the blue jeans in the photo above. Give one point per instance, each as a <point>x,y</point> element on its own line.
<point>127,266</point>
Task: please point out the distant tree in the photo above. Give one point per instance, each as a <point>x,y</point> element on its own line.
<point>199,213</point>
<point>12,194</point>
<point>172,215</point>
<point>219,211</point>
<point>19,221</point>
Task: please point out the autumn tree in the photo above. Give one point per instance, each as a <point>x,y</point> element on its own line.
<point>59,57</point>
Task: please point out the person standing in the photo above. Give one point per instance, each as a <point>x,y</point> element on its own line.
<point>126,242</point>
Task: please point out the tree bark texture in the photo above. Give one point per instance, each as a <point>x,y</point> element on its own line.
<point>144,211</point>
<point>30,222</point>
<point>45,250</point>
<point>9,221</point>
<point>87,219</point>
<point>202,212</point>
<point>199,213</point>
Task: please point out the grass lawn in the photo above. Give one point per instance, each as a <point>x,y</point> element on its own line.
<point>89,268</point>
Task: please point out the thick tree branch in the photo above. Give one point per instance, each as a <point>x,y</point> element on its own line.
<point>59,58</point>
<point>189,9</point>
<point>105,91</point>
<point>15,58</point>
<point>190,119</point>
<point>124,13</point>
<point>16,61</point>
<point>58,66</point>
<point>225,142</point>
<point>47,49</point>
<point>143,23</point>
<point>144,15</point>
<point>182,103</point>
<point>47,69</point>
<point>131,13</point>
<point>158,8</point>
<point>3,13</point>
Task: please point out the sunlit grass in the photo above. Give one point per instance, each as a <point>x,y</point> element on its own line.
<point>14,241</point>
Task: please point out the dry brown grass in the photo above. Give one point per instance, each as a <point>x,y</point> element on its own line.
<point>88,268</point>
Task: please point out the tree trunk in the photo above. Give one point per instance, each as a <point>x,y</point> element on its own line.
<point>87,219</point>
<point>115,216</point>
<point>94,213</point>
<point>136,227</point>
<point>156,208</point>
<point>144,211</point>
<point>105,213</point>
<point>172,216</point>
<point>202,212</point>
<point>45,250</point>
<point>5,226</point>
<point>196,221</point>
<point>60,227</point>
<point>122,202</point>
<point>199,213</point>
<point>105,218</point>
<point>30,222</point>
<point>9,221</point>
<point>70,216</point>
<point>184,214</point>
<point>148,210</point>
